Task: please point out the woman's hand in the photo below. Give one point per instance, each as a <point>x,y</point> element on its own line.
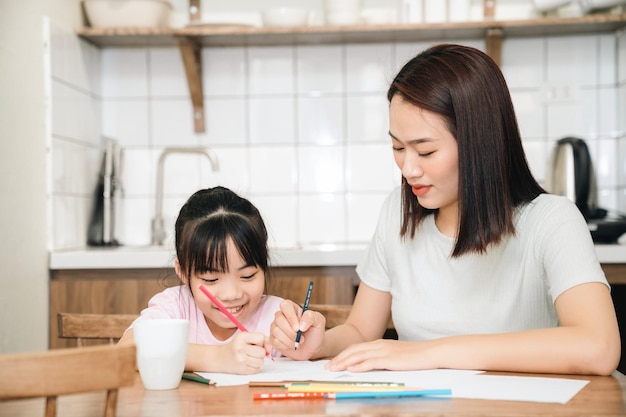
<point>285,327</point>
<point>382,354</point>
<point>246,353</point>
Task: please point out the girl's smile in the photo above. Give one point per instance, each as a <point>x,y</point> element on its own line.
<point>239,289</point>
<point>233,310</point>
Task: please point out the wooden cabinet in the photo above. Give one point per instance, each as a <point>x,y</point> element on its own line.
<point>128,290</point>
<point>615,273</point>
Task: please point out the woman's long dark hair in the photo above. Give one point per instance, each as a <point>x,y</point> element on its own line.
<point>205,223</point>
<point>467,89</point>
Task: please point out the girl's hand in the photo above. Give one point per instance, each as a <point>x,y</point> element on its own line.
<point>246,353</point>
<point>382,354</point>
<point>285,327</point>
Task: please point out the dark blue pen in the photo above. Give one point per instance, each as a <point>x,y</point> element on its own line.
<point>304,308</point>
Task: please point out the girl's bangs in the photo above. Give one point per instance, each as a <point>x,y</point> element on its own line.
<point>208,246</point>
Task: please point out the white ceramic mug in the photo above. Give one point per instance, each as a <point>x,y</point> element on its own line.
<point>161,351</point>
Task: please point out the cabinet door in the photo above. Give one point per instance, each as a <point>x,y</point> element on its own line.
<point>333,285</point>
<point>103,292</point>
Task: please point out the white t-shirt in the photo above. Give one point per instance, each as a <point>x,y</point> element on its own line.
<point>510,288</point>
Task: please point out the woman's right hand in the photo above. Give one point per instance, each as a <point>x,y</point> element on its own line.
<point>285,327</point>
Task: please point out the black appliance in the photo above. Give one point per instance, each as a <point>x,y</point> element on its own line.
<point>572,175</point>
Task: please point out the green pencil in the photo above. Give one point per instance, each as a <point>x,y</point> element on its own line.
<point>195,377</point>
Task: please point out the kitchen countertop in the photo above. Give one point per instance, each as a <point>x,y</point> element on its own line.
<point>147,257</point>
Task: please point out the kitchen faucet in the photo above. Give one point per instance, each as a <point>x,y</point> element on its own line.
<point>158,229</point>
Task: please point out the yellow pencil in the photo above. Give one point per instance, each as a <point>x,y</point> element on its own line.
<point>342,387</point>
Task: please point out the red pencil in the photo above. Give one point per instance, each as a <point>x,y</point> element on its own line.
<point>223,309</point>
<point>228,314</point>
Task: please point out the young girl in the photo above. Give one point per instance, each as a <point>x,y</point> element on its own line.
<point>481,268</point>
<point>221,244</point>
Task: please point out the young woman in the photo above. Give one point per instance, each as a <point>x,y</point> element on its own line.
<point>479,266</point>
<point>221,244</point>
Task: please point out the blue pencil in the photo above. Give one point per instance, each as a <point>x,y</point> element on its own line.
<point>304,308</point>
<point>388,394</point>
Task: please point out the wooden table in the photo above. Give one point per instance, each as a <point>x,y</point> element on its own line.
<point>603,396</point>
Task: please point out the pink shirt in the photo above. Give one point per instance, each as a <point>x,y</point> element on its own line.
<point>178,303</point>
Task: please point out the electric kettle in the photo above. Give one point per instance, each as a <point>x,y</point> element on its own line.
<point>572,175</point>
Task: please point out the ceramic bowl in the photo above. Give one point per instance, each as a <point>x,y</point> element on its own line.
<point>127,13</point>
<point>599,4</point>
<point>286,17</point>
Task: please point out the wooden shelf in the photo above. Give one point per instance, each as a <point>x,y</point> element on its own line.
<point>192,38</point>
<point>225,35</point>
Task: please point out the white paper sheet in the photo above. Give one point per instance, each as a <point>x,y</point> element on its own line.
<point>463,383</point>
<point>517,388</point>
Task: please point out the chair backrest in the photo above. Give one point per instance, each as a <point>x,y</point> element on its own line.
<point>66,371</point>
<point>109,327</point>
<point>336,314</point>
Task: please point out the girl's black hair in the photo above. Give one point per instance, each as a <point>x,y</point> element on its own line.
<point>467,89</point>
<point>208,220</point>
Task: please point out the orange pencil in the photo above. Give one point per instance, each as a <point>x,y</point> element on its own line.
<point>288,395</point>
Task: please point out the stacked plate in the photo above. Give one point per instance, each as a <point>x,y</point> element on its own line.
<point>127,13</point>
<point>343,12</point>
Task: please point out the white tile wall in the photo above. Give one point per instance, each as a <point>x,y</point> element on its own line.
<point>75,115</point>
<point>320,69</point>
<point>300,130</point>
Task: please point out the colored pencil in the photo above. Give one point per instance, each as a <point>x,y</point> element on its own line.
<point>228,314</point>
<point>348,383</point>
<point>304,308</point>
<point>288,395</point>
<point>289,383</point>
<point>389,394</point>
<point>342,387</point>
<point>350,395</point>
<point>223,309</point>
<point>197,378</point>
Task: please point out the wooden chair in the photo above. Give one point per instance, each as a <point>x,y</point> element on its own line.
<point>103,327</point>
<point>337,314</point>
<point>58,372</point>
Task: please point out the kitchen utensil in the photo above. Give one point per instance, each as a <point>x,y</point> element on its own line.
<point>459,10</point>
<point>101,230</point>
<point>547,5</point>
<point>572,176</point>
<point>127,13</point>
<point>379,16</point>
<point>590,5</point>
<point>412,11</point>
<point>435,11</point>
<point>343,12</point>
<point>286,17</point>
